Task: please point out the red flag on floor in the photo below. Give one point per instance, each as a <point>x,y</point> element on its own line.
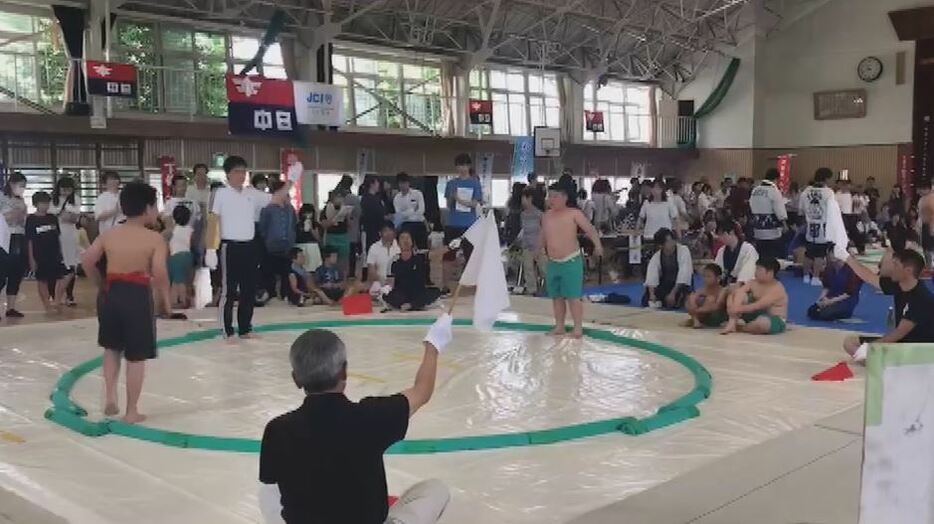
<point>837,373</point>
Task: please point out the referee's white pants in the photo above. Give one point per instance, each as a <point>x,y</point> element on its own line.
<point>423,503</point>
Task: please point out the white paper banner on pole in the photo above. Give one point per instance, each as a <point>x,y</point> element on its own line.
<point>364,157</point>
<point>319,104</point>
<point>898,452</point>
<point>485,172</point>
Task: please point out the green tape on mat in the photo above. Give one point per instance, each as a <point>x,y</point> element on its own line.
<point>76,423</point>
<point>68,414</point>
<point>663,418</point>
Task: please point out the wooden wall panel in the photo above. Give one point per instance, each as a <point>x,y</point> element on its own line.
<point>862,161</point>
<point>714,164</point>
<point>266,156</point>
<point>156,147</point>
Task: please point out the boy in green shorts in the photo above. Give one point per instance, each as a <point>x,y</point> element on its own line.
<point>707,307</point>
<point>760,306</point>
<point>564,272</point>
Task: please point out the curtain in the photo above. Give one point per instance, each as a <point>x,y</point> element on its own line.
<point>288,58</point>
<point>72,22</point>
<point>447,99</point>
<point>567,111</point>
<point>719,92</point>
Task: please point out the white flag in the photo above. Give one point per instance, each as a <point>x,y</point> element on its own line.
<point>836,231</point>
<point>485,271</point>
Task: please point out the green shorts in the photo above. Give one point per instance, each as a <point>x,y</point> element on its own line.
<point>565,279</point>
<point>180,266</point>
<point>339,242</point>
<point>776,323</point>
<point>713,319</point>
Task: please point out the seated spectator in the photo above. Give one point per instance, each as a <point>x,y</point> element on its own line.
<point>298,290</point>
<point>380,257</point>
<point>736,258</point>
<point>409,289</point>
<point>669,273</point>
<point>840,295</point>
<point>759,306</point>
<point>323,462</point>
<point>707,307</point>
<point>898,276</point>
<point>896,231</point>
<point>330,286</point>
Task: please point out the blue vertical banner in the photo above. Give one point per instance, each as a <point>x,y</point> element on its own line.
<point>523,158</point>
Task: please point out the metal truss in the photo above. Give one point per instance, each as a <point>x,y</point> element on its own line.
<point>661,41</point>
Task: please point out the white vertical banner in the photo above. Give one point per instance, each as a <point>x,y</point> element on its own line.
<point>898,451</point>
<point>485,173</point>
<point>637,169</point>
<point>319,104</point>
<point>364,159</point>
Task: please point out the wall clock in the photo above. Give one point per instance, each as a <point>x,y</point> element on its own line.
<point>869,69</point>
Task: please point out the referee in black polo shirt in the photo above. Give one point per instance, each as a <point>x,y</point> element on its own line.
<point>231,231</point>
<point>323,462</point>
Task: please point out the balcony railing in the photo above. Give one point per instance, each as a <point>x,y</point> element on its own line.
<point>30,83</point>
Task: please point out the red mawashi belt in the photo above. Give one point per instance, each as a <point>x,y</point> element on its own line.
<point>139,278</point>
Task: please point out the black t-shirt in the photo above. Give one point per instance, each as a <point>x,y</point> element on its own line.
<point>327,458</point>
<point>44,233</point>
<point>916,305</point>
<point>372,215</point>
<point>409,276</point>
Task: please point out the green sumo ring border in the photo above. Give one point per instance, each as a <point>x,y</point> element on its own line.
<point>66,412</point>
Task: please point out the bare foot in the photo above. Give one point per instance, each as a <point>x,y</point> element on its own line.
<point>689,322</point>
<point>558,331</point>
<point>578,333</point>
<point>133,418</point>
<point>249,336</point>
<point>230,341</point>
<point>111,409</point>
<point>730,327</point>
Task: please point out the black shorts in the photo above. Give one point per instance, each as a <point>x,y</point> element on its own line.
<point>868,340</point>
<point>813,250</point>
<point>333,293</point>
<point>126,322</point>
<point>774,248</point>
<point>50,271</point>
<point>927,240</point>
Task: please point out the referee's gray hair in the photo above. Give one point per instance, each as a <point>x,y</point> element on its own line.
<point>318,358</point>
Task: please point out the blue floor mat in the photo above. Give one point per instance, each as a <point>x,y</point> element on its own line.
<point>869,316</point>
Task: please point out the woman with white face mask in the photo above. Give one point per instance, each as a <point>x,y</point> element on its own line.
<point>14,262</point>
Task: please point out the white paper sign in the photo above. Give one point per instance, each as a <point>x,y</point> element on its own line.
<point>319,104</point>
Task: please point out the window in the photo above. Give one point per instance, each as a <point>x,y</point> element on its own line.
<point>387,93</point>
<point>33,64</point>
<point>521,99</point>
<point>626,111</point>
<point>325,184</point>
<point>499,196</point>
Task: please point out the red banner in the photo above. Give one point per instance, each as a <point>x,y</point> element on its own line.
<point>783,164</point>
<point>258,105</point>
<point>293,169</point>
<point>110,79</point>
<point>169,169</point>
<point>593,121</point>
<point>906,171</point>
<point>481,111</point>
